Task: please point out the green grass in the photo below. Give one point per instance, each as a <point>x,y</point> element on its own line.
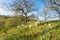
<point>39,32</point>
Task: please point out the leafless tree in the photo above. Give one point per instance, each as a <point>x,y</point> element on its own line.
<point>45,14</point>
<point>23,7</point>
<point>54,5</point>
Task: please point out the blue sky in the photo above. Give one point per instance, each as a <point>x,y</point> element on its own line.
<point>4,11</point>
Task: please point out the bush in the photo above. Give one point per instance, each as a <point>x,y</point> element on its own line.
<point>12,22</point>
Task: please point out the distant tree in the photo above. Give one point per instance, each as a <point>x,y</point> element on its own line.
<point>54,5</point>
<point>45,14</point>
<point>23,7</point>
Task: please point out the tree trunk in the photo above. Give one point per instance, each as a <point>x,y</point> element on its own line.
<point>59,16</point>
<point>26,19</point>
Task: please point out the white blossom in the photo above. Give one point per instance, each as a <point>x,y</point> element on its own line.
<point>30,26</point>
<point>49,24</point>
<point>18,26</point>
<point>22,25</point>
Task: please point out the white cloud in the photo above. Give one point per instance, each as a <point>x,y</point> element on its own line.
<point>5,12</point>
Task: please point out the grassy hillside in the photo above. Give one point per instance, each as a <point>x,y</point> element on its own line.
<point>50,31</point>
<point>30,31</point>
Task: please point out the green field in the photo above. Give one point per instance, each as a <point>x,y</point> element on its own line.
<point>42,31</point>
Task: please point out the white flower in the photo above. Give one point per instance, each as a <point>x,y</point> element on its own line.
<point>49,24</point>
<point>18,26</point>
<point>22,25</point>
<point>30,26</point>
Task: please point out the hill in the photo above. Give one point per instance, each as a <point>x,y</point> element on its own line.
<point>32,31</point>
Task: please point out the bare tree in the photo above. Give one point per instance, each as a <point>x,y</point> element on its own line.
<point>54,5</point>
<point>23,7</point>
<point>45,15</point>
